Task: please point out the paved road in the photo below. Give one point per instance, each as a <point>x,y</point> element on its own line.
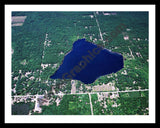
<point>90,93</point>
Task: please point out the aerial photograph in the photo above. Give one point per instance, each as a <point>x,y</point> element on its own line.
<point>80,63</point>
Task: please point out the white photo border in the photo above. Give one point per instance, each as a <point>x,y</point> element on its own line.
<point>80,119</point>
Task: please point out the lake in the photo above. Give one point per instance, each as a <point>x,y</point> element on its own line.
<point>88,61</point>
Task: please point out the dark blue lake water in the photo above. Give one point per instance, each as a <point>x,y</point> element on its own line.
<point>87,61</point>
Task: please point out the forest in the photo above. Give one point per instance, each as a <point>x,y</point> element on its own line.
<point>69,105</point>
<point>39,47</point>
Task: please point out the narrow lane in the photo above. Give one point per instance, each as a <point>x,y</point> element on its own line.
<point>98,27</point>
<point>90,103</point>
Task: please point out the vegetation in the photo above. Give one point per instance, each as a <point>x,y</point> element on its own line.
<point>40,45</point>
<point>132,103</point>
<point>69,105</point>
<point>22,108</point>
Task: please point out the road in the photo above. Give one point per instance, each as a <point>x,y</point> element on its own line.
<point>90,103</point>
<point>90,93</point>
<point>38,108</point>
<point>99,27</point>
